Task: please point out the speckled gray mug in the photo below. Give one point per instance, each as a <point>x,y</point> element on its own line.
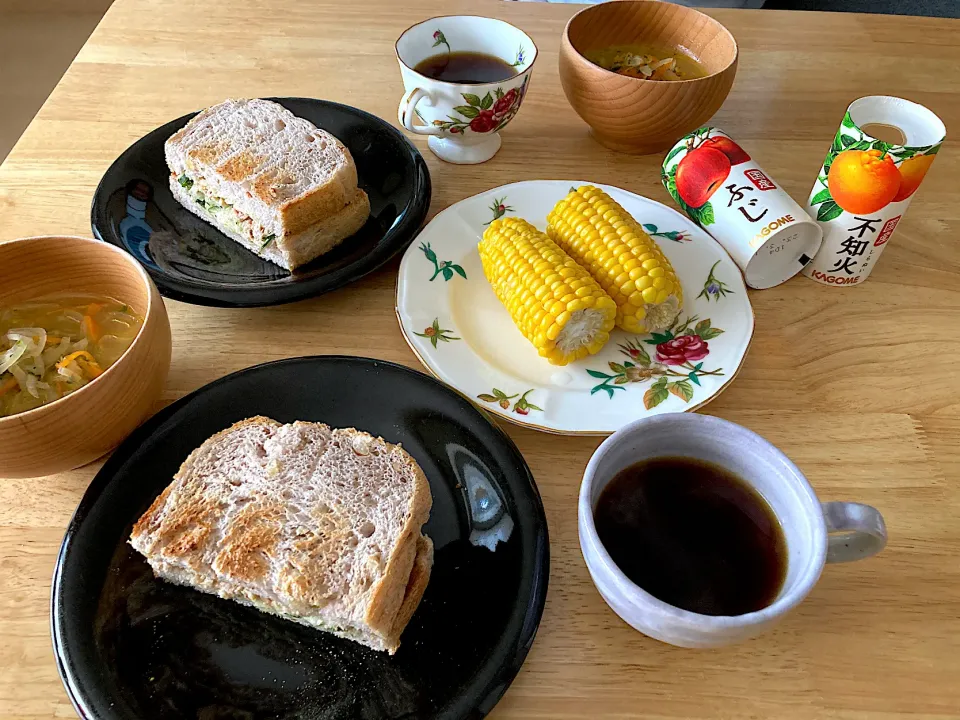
<point>816,533</point>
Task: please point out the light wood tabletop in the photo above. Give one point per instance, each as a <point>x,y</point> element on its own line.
<point>860,386</point>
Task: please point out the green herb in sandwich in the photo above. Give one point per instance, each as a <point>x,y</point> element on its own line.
<point>267,239</point>
<point>185,182</point>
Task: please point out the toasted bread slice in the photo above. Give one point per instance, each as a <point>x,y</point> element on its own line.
<point>258,172</point>
<point>316,525</point>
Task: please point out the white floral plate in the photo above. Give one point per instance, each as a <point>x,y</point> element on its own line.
<point>454,323</point>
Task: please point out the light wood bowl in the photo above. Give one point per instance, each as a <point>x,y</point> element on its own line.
<point>82,426</point>
<point>645,116</point>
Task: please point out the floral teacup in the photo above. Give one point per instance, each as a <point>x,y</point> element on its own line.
<point>463,120</point>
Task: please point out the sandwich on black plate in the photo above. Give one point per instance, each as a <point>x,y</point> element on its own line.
<point>271,181</point>
<point>320,526</point>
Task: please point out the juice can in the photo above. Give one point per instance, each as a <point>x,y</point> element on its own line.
<point>877,160</point>
<point>723,189</point>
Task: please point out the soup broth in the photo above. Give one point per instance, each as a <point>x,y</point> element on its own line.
<point>648,62</point>
<point>54,345</point>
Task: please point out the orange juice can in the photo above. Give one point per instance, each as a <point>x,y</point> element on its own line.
<point>877,160</point>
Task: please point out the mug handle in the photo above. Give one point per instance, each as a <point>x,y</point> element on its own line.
<point>407,110</point>
<point>854,531</point>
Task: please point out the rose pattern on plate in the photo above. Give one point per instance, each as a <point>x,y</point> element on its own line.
<point>522,406</point>
<point>485,114</point>
<point>436,334</point>
<point>499,208</point>
<point>675,235</point>
<point>677,363</point>
<point>682,350</point>
<point>441,267</point>
<point>714,289</point>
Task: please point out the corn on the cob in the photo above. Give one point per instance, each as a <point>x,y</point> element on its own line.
<point>553,301</point>
<point>600,235</point>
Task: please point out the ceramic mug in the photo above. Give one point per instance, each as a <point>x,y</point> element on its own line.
<point>463,120</point>
<point>815,532</point>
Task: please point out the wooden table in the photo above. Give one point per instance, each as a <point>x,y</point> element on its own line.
<point>859,386</point>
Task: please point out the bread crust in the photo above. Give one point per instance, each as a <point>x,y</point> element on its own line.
<point>416,586</point>
<point>324,236</point>
<point>299,213</point>
<point>389,595</point>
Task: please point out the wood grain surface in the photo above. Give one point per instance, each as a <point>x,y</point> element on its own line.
<point>859,386</point>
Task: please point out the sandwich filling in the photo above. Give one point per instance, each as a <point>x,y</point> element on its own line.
<point>223,212</point>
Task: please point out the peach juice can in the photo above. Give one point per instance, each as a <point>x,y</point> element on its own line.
<point>877,160</point>
<point>722,189</point>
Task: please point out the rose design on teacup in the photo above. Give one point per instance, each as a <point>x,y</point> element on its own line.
<point>440,39</point>
<point>486,114</point>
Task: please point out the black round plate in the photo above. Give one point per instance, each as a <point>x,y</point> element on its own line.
<point>131,646</point>
<point>192,261</point>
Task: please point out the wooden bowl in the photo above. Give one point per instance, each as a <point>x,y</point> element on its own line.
<point>645,116</point>
<point>82,426</point>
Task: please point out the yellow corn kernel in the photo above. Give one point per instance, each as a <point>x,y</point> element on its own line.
<point>614,248</point>
<point>557,305</point>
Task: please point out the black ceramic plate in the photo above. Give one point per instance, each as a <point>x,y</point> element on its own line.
<point>131,646</point>
<point>192,261</point>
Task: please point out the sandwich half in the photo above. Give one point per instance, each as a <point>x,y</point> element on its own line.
<point>271,181</point>
<point>320,526</point>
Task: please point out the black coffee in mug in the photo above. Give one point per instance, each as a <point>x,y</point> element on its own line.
<point>693,535</point>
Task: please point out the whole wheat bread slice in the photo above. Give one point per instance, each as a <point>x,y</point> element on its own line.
<point>321,526</point>
<point>276,173</point>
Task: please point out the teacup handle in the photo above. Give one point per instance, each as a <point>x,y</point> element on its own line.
<point>855,531</point>
<point>407,111</point>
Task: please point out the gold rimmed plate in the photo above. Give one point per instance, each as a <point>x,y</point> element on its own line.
<point>454,323</point>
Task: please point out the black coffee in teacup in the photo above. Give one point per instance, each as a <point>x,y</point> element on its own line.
<point>466,67</point>
<point>693,535</point>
